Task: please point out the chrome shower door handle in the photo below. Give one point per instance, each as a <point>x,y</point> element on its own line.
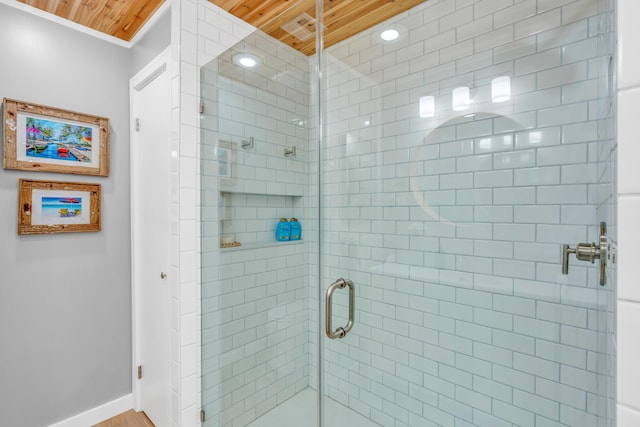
<point>589,252</point>
<point>339,332</point>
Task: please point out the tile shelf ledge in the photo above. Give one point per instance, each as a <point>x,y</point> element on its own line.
<point>260,245</point>
<point>261,193</point>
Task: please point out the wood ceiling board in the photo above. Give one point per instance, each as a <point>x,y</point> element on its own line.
<point>275,30</point>
<point>285,11</point>
<point>339,28</point>
<point>118,18</point>
<point>342,18</point>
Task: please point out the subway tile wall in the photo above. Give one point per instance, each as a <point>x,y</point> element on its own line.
<point>452,226</point>
<point>477,284</point>
<point>255,305</point>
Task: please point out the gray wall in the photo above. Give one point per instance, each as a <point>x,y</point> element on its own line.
<point>65,300</point>
<point>152,43</point>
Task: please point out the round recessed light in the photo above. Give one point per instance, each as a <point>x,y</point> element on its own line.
<point>246,60</point>
<point>389,35</point>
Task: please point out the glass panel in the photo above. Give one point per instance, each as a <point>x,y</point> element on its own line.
<point>257,323</point>
<point>446,170</point>
<point>457,160</point>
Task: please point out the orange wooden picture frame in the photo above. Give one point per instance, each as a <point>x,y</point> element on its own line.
<point>84,154</point>
<point>46,207</point>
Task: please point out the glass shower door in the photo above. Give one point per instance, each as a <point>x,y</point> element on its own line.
<point>461,150</point>
<point>258,364</point>
<point>438,165</point>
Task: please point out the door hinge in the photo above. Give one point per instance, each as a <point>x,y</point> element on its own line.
<point>137,124</point>
<point>201,107</point>
<point>202,416</point>
<point>139,371</point>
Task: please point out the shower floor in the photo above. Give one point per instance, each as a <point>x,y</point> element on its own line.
<point>303,406</point>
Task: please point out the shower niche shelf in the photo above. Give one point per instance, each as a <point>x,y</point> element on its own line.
<point>251,217</point>
<point>260,245</point>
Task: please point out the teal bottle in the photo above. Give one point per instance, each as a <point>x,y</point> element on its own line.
<point>283,231</point>
<point>296,230</point>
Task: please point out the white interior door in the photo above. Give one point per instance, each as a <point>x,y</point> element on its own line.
<point>151,228</point>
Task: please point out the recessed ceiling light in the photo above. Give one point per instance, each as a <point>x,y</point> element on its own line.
<point>246,60</point>
<point>389,35</point>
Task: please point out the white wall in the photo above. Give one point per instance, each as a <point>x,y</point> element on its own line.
<point>628,214</point>
<point>65,300</point>
<point>155,39</point>
<point>199,32</point>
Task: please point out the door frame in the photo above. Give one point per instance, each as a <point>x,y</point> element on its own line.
<point>157,66</point>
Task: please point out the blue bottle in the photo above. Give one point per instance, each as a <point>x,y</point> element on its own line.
<point>283,230</point>
<point>296,230</point>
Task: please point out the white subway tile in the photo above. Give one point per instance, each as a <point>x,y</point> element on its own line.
<point>493,214</point>
<point>538,23</point>
<point>495,284</point>
<point>495,249</point>
<point>456,148</point>
<point>515,49</point>
<point>563,35</point>
<point>628,211</point>
<point>475,28</point>
<point>560,393</point>
<point>551,58</point>
<point>514,268</point>
<point>486,7</point>
<point>537,100</point>
<point>493,39</point>
<point>627,417</point>
<point>566,154</point>
<point>456,19</point>
<point>518,12</point>
<point>536,252</point>
<point>579,173</point>
<point>555,195</point>
<point>537,176</point>
<point>514,232</point>
<point>628,149</point>
<point>628,33</point>
<point>565,114</point>
<point>628,353</point>
<point>493,143</point>
<point>473,197</point>
<point>514,160</point>
<point>474,163</point>
<point>493,179</point>
<point>514,196</point>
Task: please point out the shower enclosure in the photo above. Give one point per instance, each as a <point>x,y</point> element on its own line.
<point>437,171</point>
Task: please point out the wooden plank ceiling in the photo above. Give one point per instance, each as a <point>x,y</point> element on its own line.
<point>119,18</point>
<point>290,21</point>
<point>293,21</point>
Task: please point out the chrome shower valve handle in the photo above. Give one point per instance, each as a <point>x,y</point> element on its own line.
<point>589,252</point>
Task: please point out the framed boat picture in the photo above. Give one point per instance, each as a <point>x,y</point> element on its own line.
<point>46,139</point>
<point>46,207</point>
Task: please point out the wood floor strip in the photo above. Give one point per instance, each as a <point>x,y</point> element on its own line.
<point>130,418</point>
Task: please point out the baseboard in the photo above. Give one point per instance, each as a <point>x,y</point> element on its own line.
<point>99,413</point>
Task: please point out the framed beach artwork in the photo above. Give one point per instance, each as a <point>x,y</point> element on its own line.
<point>46,139</point>
<point>58,207</point>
